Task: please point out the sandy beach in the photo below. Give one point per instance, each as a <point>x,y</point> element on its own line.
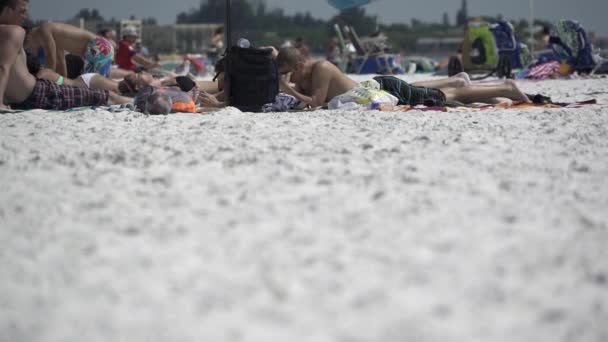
<point>324,226</point>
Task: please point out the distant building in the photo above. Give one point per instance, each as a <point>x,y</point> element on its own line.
<point>193,38</point>
<point>178,38</point>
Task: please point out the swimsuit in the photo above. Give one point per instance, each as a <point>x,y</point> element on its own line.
<point>49,95</point>
<point>409,94</point>
<point>98,57</point>
<point>87,78</point>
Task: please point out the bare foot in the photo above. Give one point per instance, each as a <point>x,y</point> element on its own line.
<point>465,77</point>
<point>518,95</point>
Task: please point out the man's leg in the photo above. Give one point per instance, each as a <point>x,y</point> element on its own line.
<point>104,83</point>
<point>115,99</point>
<point>486,93</point>
<point>457,81</point>
<point>11,41</point>
<point>118,73</point>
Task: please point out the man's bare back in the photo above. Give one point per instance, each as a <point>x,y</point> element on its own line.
<point>324,78</point>
<point>20,82</point>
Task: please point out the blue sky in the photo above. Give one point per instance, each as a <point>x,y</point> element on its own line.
<point>592,13</point>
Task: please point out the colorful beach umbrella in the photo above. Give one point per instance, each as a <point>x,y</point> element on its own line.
<point>342,5</point>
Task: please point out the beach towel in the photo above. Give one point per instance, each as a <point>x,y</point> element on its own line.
<point>282,103</point>
<point>544,71</point>
<point>480,107</point>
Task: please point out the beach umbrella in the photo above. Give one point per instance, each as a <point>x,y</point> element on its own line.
<point>342,5</point>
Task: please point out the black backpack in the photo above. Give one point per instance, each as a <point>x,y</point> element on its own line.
<point>253,78</point>
<point>251,75</point>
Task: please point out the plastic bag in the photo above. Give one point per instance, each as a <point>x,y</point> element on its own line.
<point>366,92</point>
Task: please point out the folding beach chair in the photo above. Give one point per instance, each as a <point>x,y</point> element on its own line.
<point>373,50</point>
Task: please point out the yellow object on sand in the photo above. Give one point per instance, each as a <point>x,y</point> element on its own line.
<point>565,69</point>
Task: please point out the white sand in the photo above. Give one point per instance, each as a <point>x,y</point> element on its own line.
<point>321,226</point>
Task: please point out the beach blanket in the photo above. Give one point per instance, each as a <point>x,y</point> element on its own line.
<point>129,107</point>
<point>282,103</point>
<point>504,105</point>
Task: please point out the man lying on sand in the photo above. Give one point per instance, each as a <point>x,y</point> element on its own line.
<point>21,89</point>
<point>317,82</point>
<point>56,38</point>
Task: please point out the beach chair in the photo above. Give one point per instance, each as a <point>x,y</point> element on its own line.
<point>508,45</point>
<point>371,56</point>
<point>479,50</point>
<point>491,49</point>
<point>570,42</point>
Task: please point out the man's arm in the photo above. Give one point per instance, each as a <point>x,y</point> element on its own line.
<point>321,77</point>
<point>11,42</point>
<point>287,89</point>
<point>145,62</point>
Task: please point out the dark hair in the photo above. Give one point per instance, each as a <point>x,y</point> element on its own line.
<point>219,30</point>
<point>127,87</point>
<point>104,32</point>
<point>74,65</point>
<point>12,4</point>
<point>289,57</point>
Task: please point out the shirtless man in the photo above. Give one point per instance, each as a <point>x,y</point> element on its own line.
<point>21,89</point>
<point>56,39</point>
<point>317,82</point>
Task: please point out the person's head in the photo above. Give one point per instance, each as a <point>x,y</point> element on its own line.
<point>290,60</point>
<point>219,30</point>
<point>129,34</point>
<point>108,33</point>
<point>158,103</point>
<point>13,12</point>
<point>131,84</point>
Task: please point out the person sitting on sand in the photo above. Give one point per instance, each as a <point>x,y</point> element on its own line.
<point>127,56</point>
<point>22,90</point>
<point>55,39</point>
<point>317,82</point>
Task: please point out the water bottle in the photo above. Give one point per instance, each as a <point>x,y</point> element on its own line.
<point>243,43</point>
